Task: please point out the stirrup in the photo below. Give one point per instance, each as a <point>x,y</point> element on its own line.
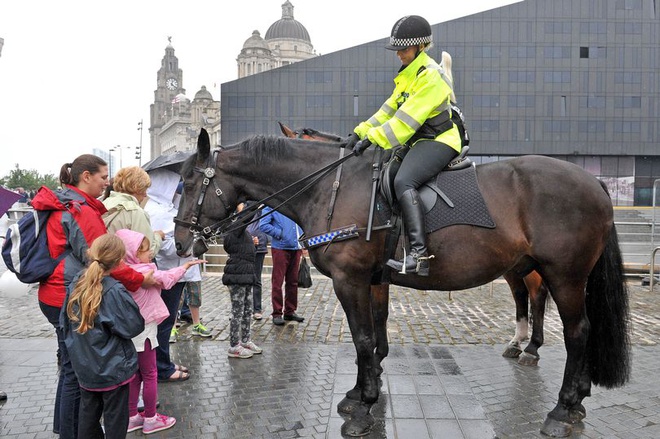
<point>421,267</point>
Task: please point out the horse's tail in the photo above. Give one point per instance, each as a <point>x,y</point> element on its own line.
<point>607,309</point>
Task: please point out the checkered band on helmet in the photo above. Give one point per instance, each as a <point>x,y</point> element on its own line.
<point>410,30</point>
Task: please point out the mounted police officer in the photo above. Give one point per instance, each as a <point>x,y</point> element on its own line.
<point>417,114</point>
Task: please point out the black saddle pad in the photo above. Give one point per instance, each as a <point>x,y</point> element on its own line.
<point>462,188</point>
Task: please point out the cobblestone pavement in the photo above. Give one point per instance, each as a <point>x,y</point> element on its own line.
<point>444,377</point>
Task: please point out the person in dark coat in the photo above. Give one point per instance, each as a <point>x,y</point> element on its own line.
<point>98,320</point>
<point>239,278</point>
<point>260,240</point>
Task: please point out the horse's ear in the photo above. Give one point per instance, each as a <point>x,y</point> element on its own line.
<point>203,145</point>
<point>288,132</point>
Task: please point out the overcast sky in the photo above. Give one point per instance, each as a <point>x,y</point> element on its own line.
<point>78,75</point>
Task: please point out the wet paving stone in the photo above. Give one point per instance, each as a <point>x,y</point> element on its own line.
<point>444,377</point>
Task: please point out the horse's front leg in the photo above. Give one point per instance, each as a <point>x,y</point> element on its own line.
<point>380,296</point>
<point>380,307</point>
<point>355,299</point>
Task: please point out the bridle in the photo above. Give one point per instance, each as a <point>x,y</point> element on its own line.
<point>209,173</point>
<point>213,231</point>
<point>199,232</point>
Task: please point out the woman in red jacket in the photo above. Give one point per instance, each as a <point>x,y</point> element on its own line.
<point>74,224</point>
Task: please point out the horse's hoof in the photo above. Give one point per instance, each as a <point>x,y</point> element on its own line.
<point>577,413</point>
<point>511,351</point>
<point>552,427</point>
<point>359,425</point>
<point>353,428</point>
<point>348,406</point>
<point>526,359</point>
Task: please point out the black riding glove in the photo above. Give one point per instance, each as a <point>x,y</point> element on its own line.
<point>361,146</point>
<point>350,141</point>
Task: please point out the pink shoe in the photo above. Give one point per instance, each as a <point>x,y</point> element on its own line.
<point>135,422</point>
<point>157,423</point>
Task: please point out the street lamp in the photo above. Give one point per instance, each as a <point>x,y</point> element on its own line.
<point>110,162</point>
<point>138,152</point>
<point>118,148</point>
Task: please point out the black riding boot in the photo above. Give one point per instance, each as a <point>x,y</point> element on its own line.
<point>417,261</point>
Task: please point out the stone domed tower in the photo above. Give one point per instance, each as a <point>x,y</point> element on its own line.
<point>286,41</point>
<point>255,57</point>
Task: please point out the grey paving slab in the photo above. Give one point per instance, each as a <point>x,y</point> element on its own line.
<point>444,377</point>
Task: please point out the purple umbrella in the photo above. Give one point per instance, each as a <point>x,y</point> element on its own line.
<point>7,199</point>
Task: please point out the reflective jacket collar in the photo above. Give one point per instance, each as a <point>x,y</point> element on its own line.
<point>410,71</point>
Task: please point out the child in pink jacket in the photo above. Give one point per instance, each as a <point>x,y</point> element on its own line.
<point>154,311</point>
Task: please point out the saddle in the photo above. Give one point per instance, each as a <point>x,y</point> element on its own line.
<point>456,185</point>
<point>429,192</point>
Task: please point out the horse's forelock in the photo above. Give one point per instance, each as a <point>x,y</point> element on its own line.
<point>188,166</point>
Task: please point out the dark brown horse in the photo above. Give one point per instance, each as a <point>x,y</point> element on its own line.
<point>528,292</point>
<point>552,217</point>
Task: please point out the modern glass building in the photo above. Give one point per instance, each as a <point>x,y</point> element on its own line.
<point>575,80</point>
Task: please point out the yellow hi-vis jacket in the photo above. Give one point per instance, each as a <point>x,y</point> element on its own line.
<point>417,96</point>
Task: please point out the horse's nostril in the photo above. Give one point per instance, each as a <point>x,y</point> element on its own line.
<point>178,246</point>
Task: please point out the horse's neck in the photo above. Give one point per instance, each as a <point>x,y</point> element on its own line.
<point>264,181</point>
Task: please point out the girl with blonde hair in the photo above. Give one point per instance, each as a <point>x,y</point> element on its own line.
<point>99,321</point>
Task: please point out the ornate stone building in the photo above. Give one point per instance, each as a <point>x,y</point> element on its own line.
<point>175,119</point>
<point>286,42</point>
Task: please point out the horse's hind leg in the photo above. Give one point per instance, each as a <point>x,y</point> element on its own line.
<point>538,295</point>
<point>570,302</point>
<point>520,296</point>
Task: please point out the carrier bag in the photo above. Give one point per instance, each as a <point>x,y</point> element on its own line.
<point>304,274</point>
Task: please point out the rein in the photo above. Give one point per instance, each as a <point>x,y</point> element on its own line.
<point>229,224</point>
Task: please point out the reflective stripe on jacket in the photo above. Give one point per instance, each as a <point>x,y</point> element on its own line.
<point>420,93</point>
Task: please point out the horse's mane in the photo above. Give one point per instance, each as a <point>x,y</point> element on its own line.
<point>263,149</point>
<point>266,149</point>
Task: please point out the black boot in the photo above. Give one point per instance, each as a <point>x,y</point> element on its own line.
<point>417,261</point>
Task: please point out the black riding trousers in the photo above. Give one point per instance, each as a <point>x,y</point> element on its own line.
<point>424,160</point>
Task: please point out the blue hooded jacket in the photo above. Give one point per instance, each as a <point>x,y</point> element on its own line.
<point>283,231</point>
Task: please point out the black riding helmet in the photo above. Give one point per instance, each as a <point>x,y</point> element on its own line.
<point>410,30</point>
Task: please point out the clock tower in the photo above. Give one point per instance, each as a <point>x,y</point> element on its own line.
<point>169,85</point>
